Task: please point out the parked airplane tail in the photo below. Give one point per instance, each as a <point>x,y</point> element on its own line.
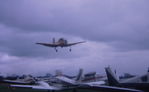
<point>79,76</point>
<point>112,79</point>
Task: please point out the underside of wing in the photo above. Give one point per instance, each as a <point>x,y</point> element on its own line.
<point>48,44</point>
<point>41,85</point>
<point>33,87</point>
<point>70,44</point>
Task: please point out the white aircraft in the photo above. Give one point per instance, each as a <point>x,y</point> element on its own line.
<point>78,81</point>
<point>70,82</point>
<point>27,80</point>
<point>138,82</point>
<point>98,85</point>
<point>60,43</point>
<point>73,86</point>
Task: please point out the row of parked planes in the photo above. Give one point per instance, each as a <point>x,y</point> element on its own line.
<point>90,81</point>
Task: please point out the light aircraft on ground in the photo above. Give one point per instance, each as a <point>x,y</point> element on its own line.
<point>60,43</point>
<point>92,86</point>
<point>69,85</point>
<point>138,82</point>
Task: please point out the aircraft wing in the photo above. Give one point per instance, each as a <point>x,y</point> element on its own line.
<point>48,44</point>
<point>16,82</point>
<point>100,85</point>
<point>94,83</point>
<point>66,80</point>
<point>70,44</point>
<point>118,89</point>
<point>34,87</point>
<point>108,89</point>
<point>42,85</point>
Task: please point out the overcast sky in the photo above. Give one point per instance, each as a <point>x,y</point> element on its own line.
<point>116,34</point>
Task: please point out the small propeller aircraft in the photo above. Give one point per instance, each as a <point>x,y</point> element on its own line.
<point>60,43</point>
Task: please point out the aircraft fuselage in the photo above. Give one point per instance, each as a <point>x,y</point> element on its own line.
<point>61,42</point>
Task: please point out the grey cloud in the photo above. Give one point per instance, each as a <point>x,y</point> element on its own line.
<point>135,62</point>
<point>22,44</point>
<point>106,21</point>
<point>119,25</point>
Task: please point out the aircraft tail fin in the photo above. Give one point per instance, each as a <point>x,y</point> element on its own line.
<point>112,79</point>
<point>148,75</point>
<point>53,40</point>
<point>79,76</point>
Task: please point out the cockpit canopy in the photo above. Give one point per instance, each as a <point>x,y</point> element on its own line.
<point>62,40</point>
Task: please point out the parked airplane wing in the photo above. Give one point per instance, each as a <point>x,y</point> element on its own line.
<point>16,82</point>
<point>70,44</point>
<point>97,83</point>
<point>42,85</point>
<point>115,89</point>
<point>66,80</point>
<point>99,87</point>
<point>47,44</point>
<point>34,87</point>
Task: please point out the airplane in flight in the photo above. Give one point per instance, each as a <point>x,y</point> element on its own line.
<point>60,43</point>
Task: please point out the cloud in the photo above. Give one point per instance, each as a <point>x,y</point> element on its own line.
<point>40,65</point>
<point>94,59</point>
<point>115,31</point>
<point>108,21</point>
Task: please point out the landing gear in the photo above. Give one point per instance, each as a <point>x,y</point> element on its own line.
<point>56,49</point>
<point>70,49</point>
<point>61,47</point>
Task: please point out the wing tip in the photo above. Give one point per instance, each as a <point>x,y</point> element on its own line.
<point>37,43</point>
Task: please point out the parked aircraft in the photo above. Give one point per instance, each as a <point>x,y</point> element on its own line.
<point>28,80</point>
<point>71,82</point>
<point>93,86</point>
<point>97,86</point>
<point>93,77</point>
<point>138,82</point>
<point>60,43</point>
<point>72,85</point>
